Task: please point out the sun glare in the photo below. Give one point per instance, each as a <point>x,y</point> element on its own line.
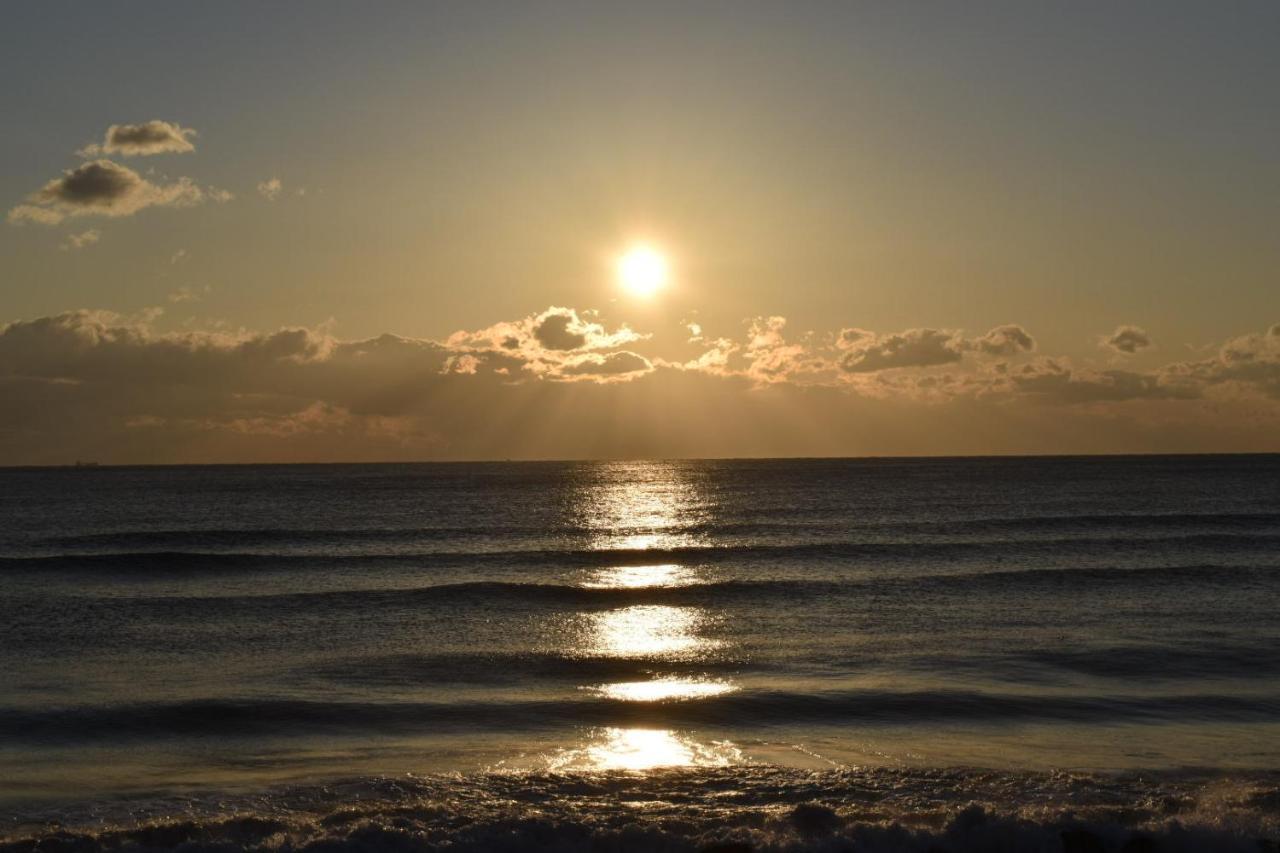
<point>642,271</point>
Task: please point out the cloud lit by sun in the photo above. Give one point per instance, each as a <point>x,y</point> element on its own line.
<point>642,271</point>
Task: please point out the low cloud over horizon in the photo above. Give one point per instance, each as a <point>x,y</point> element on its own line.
<point>562,383</point>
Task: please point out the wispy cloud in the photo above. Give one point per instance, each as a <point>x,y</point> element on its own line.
<point>187,293</point>
<point>84,239</point>
<point>271,188</point>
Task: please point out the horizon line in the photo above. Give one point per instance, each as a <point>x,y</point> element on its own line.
<point>89,465</point>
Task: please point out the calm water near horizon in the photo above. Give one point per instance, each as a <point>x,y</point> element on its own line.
<point>928,632</point>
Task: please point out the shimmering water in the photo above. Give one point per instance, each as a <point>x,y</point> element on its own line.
<point>228,634</point>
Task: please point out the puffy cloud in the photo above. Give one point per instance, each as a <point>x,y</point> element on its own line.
<point>932,387</point>
<point>615,365</point>
<point>1250,362</point>
<point>1057,381</point>
<point>852,338</point>
<point>771,358</point>
<point>152,137</point>
<point>714,361</point>
<point>767,356</point>
<point>92,383</point>
<point>103,188</point>
<point>81,345</point>
<point>80,241</point>
<point>1127,340</point>
<point>560,329</point>
<point>1009,339</point>
<point>541,341</point>
<point>270,189</point>
<point>867,353</point>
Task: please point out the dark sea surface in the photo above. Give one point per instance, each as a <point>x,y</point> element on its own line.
<point>1005,654</point>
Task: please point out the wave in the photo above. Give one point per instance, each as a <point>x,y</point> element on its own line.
<point>720,593</point>
<point>1060,575</point>
<point>496,668</point>
<point>738,809</point>
<point>1129,522</point>
<point>522,595</point>
<point>909,551</point>
<point>1132,663</point>
<point>248,537</point>
<point>282,717</point>
<point>1205,659</point>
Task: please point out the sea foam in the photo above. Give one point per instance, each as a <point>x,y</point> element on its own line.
<point>743,808</point>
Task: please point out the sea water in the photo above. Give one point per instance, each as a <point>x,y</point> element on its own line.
<point>644,655</point>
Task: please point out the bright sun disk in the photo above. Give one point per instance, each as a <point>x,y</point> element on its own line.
<point>642,270</point>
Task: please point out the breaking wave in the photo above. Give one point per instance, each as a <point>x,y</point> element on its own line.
<point>712,810</point>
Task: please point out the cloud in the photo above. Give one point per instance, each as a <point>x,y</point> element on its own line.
<point>270,189</point>
<point>560,329</point>
<point>1248,363</point>
<point>84,239</point>
<point>866,352</point>
<point>118,388</point>
<point>852,338</point>
<point>1127,340</point>
<point>624,364</point>
<point>1056,381</point>
<point>186,293</point>
<point>771,358</point>
<point>541,342</point>
<point>102,188</point>
<point>1009,339</point>
<point>152,137</point>
<point>912,348</point>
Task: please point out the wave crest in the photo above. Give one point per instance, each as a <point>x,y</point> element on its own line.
<point>727,810</point>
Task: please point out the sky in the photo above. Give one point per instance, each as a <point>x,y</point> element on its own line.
<point>246,232</point>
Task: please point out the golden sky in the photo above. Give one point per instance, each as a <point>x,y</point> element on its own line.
<point>314,231</point>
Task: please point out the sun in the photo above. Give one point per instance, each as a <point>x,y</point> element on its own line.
<point>642,271</point>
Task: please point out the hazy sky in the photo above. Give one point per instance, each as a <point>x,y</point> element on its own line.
<point>296,231</point>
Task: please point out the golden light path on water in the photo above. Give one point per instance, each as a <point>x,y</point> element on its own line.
<point>642,507</point>
<point>647,630</point>
<point>641,577</point>
<point>645,749</point>
<point>660,689</point>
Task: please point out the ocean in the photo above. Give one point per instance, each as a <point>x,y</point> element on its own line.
<point>868,654</point>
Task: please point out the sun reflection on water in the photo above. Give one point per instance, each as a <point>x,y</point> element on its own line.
<point>641,577</point>
<point>645,749</point>
<point>647,630</point>
<point>639,506</point>
<point>650,506</point>
<point>663,689</point>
